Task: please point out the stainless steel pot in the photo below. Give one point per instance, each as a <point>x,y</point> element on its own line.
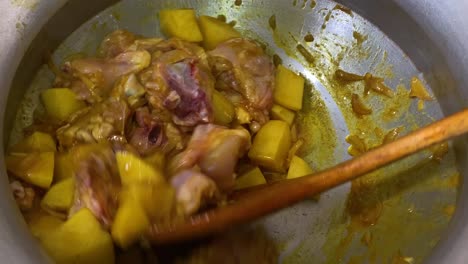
<point>431,33</point>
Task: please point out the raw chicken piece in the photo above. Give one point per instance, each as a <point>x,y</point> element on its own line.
<point>189,99</point>
<point>193,50</point>
<point>176,139</point>
<point>215,150</point>
<point>100,75</point>
<point>180,81</point>
<point>149,44</point>
<point>97,181</point>
<point>148,134</point>
<point>193,191</point>
<point>116,43</point>
<point>129,89</point>
<point>23,195</point>
<point>241,64</point>
<point>98,124</point>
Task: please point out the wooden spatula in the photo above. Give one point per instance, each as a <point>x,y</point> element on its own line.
<point>265,200</point>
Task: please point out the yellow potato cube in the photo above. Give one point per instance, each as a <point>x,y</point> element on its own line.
<point>289,89</point>
<point>38,141</point>
<point>271,145</point>
<point>216,31</point>
<point>280,113</point>
<point>80,240</point>
<point>223,109</point>
<point>251,178</point>
<point>35,168</point>
<point>60,103</point>
<point>157,201</point>
<point>130,222</point>
<point>60,196</point>
<point>63,167</point>
<point>158,160</point>
<point>298,168</point>
<point>134,170</point>
<point>40,224</point>
<point>180,23</point>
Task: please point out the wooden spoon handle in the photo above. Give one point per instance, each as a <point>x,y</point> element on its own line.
<point>261,202</point>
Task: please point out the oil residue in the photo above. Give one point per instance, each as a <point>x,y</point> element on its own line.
<point>222,18</point>
<point>397,106</point>
<point>375,209</point>
<point>398,258</point>
<point>326,19</point>
<point>363,206</point>
<point>28,4</point>
<point>360,38</point>
<point>313,3</point>
<point>419,90</point>
<point>308,38</point>
<point>449,210</point>
<point>357,145</point>
<point>392,134</point>
<point>317,131</point>
<point>439,151</point>
<point>305,53</point>
<point>277,60</point>
<point>371,223</point>
<point>343,9</point>
<point>272,22</point>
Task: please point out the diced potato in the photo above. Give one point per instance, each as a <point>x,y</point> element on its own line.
<point>280,113</point>
<point>60,103</point>
<point>251,178</point>
<point>35,168</point>
<point>80,240</point>
<point>298,168</point>
<point>130,222</point>
<point>60,196</point>
<point>41,224</point>
<point>215,31</point>
<point>134,170</point>
<point>63,167</point>
<point>223,109</point>
<point>289,89</point>
<point>271,145</point>
<point>157,201</point>
<point>38,141</point>
<point>180,23</point>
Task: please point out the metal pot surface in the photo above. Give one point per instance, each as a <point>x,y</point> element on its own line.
<point>404,212</point>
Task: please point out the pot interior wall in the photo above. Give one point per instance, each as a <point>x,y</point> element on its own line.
<point>322,231</point>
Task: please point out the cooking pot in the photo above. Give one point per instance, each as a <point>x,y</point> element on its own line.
<point>419,36</point>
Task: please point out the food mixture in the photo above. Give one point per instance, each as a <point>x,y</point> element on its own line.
<point>151,131</point>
